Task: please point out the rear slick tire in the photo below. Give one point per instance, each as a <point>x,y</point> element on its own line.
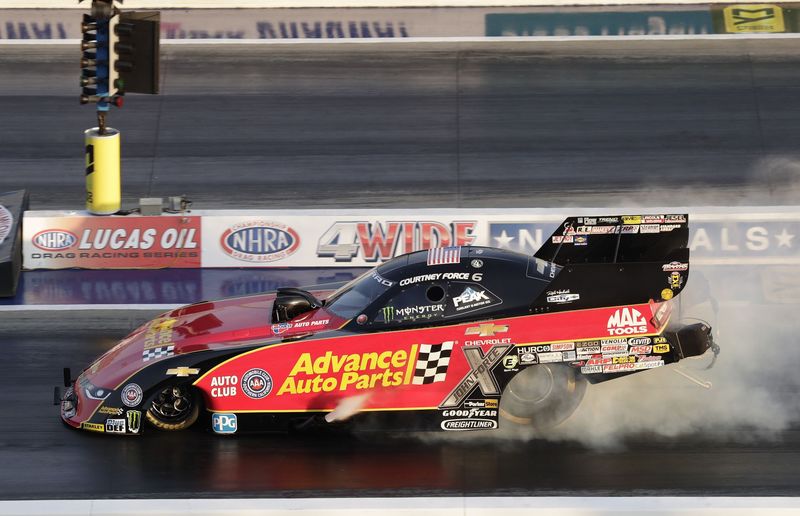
<point>174,408</point>
<point>542,396</point>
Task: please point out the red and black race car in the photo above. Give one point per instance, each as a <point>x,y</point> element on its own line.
<point>455,338</point>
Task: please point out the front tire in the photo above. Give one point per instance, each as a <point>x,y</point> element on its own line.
<point>542,396</point>
<point>175,407</point>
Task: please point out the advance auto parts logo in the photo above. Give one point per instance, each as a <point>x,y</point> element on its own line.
<point>259,241</point>
<point>358,371</point>
<point>626,321</point>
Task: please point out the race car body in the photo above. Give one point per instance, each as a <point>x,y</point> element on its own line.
<point>455,338</point>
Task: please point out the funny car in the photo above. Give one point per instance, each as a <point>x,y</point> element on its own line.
<point>449,338</point>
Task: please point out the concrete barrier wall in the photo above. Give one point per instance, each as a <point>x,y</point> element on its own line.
<point>359,238</point>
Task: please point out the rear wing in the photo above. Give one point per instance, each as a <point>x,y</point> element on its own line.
<point>616,260</point>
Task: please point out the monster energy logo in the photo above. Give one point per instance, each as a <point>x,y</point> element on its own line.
<point>388,313</point>
<point>134,421</point>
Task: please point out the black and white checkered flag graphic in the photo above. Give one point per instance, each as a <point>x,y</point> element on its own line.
<point>155,353</point>
<point>432,363</point>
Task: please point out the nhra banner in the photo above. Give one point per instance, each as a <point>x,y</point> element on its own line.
<point>51,241</point>
<point>262,238</point>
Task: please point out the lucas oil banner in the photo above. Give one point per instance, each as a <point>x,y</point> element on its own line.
<point>130,242</point>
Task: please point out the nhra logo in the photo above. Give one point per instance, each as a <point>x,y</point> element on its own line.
<point>259,241</point>
<point>381,241</point>
<point>626,321</point>
<point>54,240</point>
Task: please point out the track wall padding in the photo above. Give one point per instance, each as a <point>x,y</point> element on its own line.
<point>12,204</point>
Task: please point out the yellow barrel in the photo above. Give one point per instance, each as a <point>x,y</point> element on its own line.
<point>103,193</point>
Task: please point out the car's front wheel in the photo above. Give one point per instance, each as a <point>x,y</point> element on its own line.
<point>542,396</point>
<point>175,407</point>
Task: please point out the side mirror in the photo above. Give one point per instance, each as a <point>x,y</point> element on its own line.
<point>292,302</point>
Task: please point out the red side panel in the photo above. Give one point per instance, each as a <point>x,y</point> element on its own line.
<point>401,369</point>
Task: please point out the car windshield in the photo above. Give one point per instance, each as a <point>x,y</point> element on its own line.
<point>354,297</point>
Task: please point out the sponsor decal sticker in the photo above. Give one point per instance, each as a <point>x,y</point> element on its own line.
<point>626,321</point>
<point>331,371</point>
<point>641,350</point>
<point>528,359</point>
<point>131,395</point>
<point>469,424</point>
<point>380,279</point>
<point>561,296</point>
<point>259,241</point>
<point>675,266</point>
<point>224,423</point>
<point>486,329</point>
<point>134,419</point>
<point>472,299</point>
<point>649,228</point>
<point>551,357</point>
<point>667,294</point>
<point>279,328</point>
<point>159,333</point>
<point>477,264</point>
<point>480,374</point>
<point>256,383</point>
<point>94,427</point>
<point>675,280</point>
<point>115,426</point>
<point>183,372</point>
<point>510,362</point>
<point>111,411</point>
<point>631,219</point>
<point>224,386</point>
<point>661,348</point>
<point>157,353</point>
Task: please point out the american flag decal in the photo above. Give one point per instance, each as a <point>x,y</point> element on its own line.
<point>432,363</point>
<point>444,255</point>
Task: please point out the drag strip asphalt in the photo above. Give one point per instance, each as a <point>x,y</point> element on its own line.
<point>522,124</point>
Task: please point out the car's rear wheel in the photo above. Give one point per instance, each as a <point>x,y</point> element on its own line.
<point>175,407</point>
<point>542,396</point>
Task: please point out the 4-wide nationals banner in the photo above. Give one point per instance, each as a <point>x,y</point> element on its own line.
<point>339,238</point>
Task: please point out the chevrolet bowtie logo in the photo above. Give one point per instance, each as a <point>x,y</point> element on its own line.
<point>183,371</point>
<point>487,329</point>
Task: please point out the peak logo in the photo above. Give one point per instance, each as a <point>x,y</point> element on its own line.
<point>626,321</point>
<point>379,241</point>
<point>54,240</point>
<point>259,241</point>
